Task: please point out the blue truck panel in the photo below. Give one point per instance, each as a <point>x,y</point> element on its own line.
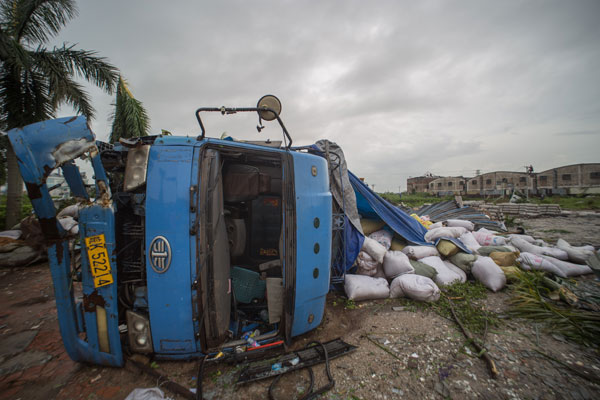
<point>172,234</point>
<point>167,216</point>
<point>99,220</point>
<point>313,236</point>
<point>40,148</point>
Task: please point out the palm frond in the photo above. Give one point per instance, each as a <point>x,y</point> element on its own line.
<point>129,117</point>
<point>70,92</point>
<point>24,97</point>
<point>13,53</point>
<point>530,300</point>
<point>36,21</point>
<point>86,64</point>
<point>61,85</point>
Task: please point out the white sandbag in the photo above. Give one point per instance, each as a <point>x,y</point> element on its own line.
<point>576,254</point>
<point>456,270</point>
<point>69,225</point>
<point>415,287</point>
<point>468,225</point>
<point>541,243</point>
<point>11,234</point>
<point>374,249</point>
<point>436,225</point>
<point>445,276</point>
<point>537,262</point>
<point>486,271</point>
<point>526,238</point>
<point>433,234</point>
<point>569,269</point>
<point>379,272</point>
<point>524,266</point>
<point>69,211</point>
<point>527,247</point>
<point>360,287</point>
<point>383,237</point>
<point>146,394</point>
<point>418,252</point>
<point>366,264</point>
<point>22,255</point>
<point>469,240</point>
<point>396,263</point>
<point>488,239</point>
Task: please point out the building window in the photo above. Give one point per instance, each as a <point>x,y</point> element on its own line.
<point>439,184</point>
<point>449,184</point>
<point>504,180</point>
<point>543,179</point>
<point>474,181</point>
<point>498,183</point>
<point>594,175</point>
<point>523,179</point>
<point>488,181</point>
<point>566,177</point>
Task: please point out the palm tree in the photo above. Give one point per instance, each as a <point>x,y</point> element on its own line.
<point>35,80</point>
<point>129,118</point>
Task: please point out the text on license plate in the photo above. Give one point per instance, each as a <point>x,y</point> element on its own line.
<point>99,262</point>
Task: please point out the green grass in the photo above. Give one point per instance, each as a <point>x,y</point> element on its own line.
<point>413,200</point>
<point>570,202</point>
<point>587,202</point>
<point>26,210</point>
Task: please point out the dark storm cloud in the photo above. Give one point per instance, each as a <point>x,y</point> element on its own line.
<point>404,87</point>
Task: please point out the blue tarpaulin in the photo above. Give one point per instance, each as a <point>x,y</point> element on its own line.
<point>371,205</point>
<point>368,204</point>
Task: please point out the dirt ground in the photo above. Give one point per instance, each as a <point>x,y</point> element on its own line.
<point>403,353</point>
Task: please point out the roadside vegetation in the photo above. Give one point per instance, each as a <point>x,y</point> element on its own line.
<point>571,202</point>
<point>413,200</point>
<point>26,210</point>
<point>580,202</point>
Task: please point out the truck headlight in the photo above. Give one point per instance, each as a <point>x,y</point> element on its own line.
<point>138,331</point>
<point>135,170</point>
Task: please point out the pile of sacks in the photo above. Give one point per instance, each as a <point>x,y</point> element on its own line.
<point>388,268</point>
<point>25,243</point>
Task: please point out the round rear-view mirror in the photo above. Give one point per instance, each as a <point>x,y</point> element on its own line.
<point>268,101</point>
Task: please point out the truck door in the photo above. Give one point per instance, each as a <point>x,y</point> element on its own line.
<point>214,251</point>
<point>312,241</point>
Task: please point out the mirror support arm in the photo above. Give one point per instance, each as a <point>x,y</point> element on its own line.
<point>228,110</point>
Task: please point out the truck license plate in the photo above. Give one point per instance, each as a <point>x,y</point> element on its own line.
<point>99,262</point>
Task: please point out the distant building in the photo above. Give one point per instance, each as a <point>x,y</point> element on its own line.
<point>568,179</point>
<point>498,183</point>
<point>419,184</point>
<point>448,185</point>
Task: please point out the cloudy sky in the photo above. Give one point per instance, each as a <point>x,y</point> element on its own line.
<point>405,87</point>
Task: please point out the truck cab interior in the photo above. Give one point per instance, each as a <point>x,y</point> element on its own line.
<point>240,244</point>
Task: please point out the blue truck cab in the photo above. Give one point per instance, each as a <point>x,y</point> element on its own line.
<point>189,245</point>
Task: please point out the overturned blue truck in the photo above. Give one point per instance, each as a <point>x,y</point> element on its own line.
<point>182,238</point>
<point>195,245</point>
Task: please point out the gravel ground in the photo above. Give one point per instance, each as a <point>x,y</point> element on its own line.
<point>403,353</point>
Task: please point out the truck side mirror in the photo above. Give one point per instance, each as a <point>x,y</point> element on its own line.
<point>268,102</point>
